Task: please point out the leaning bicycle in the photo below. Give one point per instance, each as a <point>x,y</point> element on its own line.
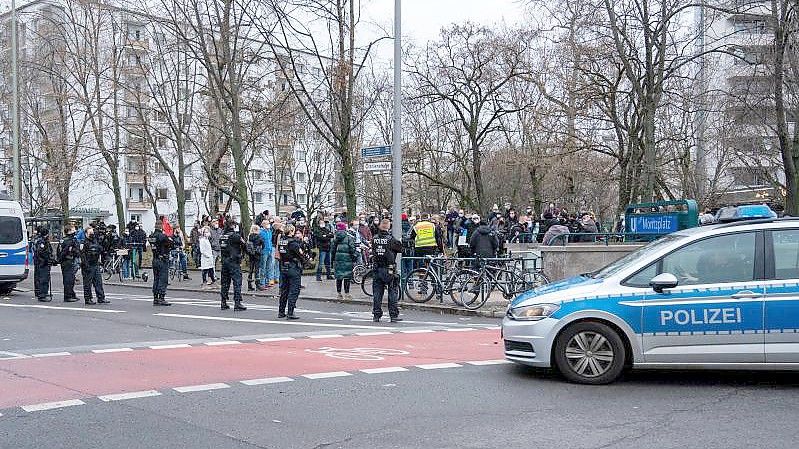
<point>113,265</point>
<point>440,276</point>
<point>477,289</point>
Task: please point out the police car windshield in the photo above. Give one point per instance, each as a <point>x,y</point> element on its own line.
<point>636,256</point>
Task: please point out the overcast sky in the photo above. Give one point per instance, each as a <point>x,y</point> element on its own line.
<point>422,19</point>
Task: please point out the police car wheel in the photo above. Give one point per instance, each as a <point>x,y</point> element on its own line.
<point>590,353</point>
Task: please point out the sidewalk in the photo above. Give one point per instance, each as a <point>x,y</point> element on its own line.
<point>326,291</point>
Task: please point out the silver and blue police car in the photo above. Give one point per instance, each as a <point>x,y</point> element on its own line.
<point>724,296</point>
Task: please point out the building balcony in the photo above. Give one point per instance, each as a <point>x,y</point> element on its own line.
<point>137,204</point>
<point>134,177</point>
<point>140,45</point>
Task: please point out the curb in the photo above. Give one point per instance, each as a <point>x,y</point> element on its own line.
<point>442,309</point>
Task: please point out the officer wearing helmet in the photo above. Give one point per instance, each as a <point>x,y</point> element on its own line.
<point>232,246</point>
<point>42,261</point>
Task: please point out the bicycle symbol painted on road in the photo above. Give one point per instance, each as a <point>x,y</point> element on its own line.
<point>364,354</point>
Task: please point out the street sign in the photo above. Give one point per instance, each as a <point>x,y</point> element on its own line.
<point>384,150</point>
<point>377,166</point>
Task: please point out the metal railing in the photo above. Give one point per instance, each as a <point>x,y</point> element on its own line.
<point>602,237</point>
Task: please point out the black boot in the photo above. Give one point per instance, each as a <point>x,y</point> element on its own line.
<point>291,315</point>
<point>162,301</point>
<point>103,301</point>
<point>89,302</point>
<point>224,305</point>
<point>238,306</point>
<point>281,314</point>
<point>73,299</point>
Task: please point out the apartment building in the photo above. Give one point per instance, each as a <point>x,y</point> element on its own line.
<point>147,126</point>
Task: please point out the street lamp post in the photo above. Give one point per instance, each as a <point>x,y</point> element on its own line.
<point>17,185</point>
<point>396,151</point>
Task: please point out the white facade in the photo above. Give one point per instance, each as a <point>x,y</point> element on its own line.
<point>157,117</point>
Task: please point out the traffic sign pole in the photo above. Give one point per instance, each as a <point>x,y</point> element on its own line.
<point>396,154</point>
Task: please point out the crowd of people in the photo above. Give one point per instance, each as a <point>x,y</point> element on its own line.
<point>277,250</point>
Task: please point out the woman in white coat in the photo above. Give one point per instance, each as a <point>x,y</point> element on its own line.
<point>207,257</point>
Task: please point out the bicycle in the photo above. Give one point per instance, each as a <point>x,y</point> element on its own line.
<point>113,264</point>
<point>438,277</point>
<point>476,290</point>
<point>367,281</point>
<point>175,271</point>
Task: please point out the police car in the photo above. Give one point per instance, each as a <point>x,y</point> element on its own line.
<point>13,245</point>
<point>724,296</point>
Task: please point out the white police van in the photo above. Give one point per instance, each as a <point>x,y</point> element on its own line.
<point>724,296</point>
<point>13,245</point>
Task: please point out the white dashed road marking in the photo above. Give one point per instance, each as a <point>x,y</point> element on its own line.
<point>267,381</point>
<point>52,405</point>
<point>325,336</point>
<point>418,331</point>
<point>171,346</point>
<point>267,340</point>
<point>106,351</point>
<point>76,309</point>
<point>50,354</point>
<point>369,334</point>
<point>207,387</point>
<point>489,362</point>
<point>250,320</point>
<point>222,343</point>
<point>131,395</point>
<point>439,366</point>
<point>391,369</point>
<point>326,375</point>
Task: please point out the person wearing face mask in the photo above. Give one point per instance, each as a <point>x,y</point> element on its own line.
<point>91,252</point>
<point>232,246</point>
<point>292,261</point>
<point>206,257</point>
<point>138,239</point>
<point>266,256</point>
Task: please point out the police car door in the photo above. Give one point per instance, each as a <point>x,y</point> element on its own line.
<point>715,314</point>
<point>782,296</point>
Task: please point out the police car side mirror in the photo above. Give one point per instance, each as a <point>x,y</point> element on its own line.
<point>663,281</point>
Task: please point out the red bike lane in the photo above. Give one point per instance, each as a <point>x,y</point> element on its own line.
<point>79,376</point>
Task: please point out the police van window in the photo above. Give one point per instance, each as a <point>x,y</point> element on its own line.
<point>720,259</point>
<point>10,230</point>
<point>786,254</point>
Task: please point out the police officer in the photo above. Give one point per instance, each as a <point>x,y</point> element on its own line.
<point>42,261</point>
<point>68,253</point>
<point>161,245</point>
<point>292,261</point>
<point>385,248</point>
<point>231,244</point>
<point>91,252</point>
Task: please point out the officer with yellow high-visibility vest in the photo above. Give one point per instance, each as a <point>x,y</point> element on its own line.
<point>428,239</point>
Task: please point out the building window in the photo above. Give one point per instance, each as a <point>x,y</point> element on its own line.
<point>257,175</point>
<point>135,217</point>
<point>159,167</point>
<point>300,176</point>
<point>751,176</point>
<point>136,194</point>
<point>270,197</point>
<point>258,197</point>
<point>187,195</point>
<point>317,177</point>
<point>287,198</point>
<point>301,198</point>
<point>161,194</point>
<point>300,155</point>
<point>751,26</point>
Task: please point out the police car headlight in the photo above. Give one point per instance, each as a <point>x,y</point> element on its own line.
<point>534,312</point>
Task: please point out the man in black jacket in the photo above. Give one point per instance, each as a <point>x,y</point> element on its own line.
<point>42,262</point>
<point>68,253</point>
<point>385,249</point>
<point>91,253</point>
<point>292,260</point>
<point>484,242</point>
<point>161,245</point>
<point>231,245</point>
<point>323,235</point>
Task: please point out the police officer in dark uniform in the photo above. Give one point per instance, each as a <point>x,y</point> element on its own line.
<point>161,245</point>
<point>231,246</point>
<point>68,252</point>
<point>385,248</point>
<point>42,262</point>
<point>91,252</point>
<point>292,261</point>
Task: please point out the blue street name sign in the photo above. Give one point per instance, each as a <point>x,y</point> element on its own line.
<point>384,150</point>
